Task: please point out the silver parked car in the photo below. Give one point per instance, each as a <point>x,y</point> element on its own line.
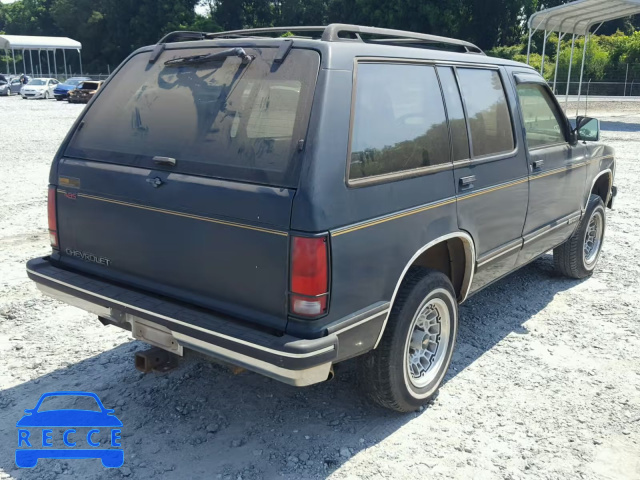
<point>39,88</point>
<point>11,88</point>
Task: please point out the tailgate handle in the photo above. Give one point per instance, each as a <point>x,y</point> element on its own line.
<point>165,161</point>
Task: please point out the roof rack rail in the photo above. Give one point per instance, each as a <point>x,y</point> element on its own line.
<point>335,33</point>
<point>174,37</point>
<point>261,31</point>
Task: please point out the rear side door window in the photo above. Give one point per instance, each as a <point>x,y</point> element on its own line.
<point>540,116</point>
<point>487,111</point>
<point>399,121</point>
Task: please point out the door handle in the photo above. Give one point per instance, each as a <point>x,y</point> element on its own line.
<point>165,161</point>
<point>537,165</point>
<point>467,182</point>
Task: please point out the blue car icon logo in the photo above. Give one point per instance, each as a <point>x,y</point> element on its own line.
<point>69,433</point>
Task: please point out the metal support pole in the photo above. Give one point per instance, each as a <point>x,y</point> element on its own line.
<point>586,103</point>
<point>80,57</point>
<point>24,63</point>
<point>566,96</point>
<point>13,56</point>
<point>529,45</point>
<point>55,65</point>
<point>625,81</point>
<point>584,54</point>
<point>64,58</point>
<point>31,61</point>
<point>40,61</point>
<point>6,57</point>
<point>555,72</point>
<point>544,47</point>
<point>48,64</point>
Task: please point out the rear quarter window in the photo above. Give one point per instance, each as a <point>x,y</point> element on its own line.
<point>399,122</point>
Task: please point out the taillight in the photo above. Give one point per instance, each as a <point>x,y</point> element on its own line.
<point>309,276</point>
<point>51,213</point>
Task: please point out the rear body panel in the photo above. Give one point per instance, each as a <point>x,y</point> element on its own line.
<point>220,244</point>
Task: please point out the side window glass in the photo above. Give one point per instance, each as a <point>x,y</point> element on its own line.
<point>540,116</point>
<point>487,111</point>
<point>399,122</point>
<point>455,112</point>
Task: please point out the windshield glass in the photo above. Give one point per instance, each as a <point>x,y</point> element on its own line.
<point>223,118</point>
<point>37,82</point>
<point>73,82</point>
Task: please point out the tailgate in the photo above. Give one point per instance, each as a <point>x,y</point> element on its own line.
<point>215,243</point>
<point>180,176</point>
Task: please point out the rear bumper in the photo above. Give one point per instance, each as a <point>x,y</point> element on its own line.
<point>286,358</point>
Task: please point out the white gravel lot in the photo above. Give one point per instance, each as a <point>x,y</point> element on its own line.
<point>545,383</point>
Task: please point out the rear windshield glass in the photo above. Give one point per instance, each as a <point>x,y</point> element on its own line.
<point>221,118</point>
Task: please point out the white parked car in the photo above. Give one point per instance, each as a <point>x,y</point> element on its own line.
<point>39,88</point>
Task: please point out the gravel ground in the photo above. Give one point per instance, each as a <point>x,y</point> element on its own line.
<point>545,382</point>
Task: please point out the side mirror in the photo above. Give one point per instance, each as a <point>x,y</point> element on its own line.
<point>588,129</point>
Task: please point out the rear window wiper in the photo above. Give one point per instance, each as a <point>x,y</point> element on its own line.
<point>210,57</point>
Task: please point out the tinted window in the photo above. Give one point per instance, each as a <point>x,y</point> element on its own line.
<point>487,110</point>
<point>399,121</point>
<point>540,116</point>
<point>219,118</point>
<point>455,113</point>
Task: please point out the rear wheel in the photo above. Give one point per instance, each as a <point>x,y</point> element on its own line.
<point>406,369</point>
<point>578,256</point>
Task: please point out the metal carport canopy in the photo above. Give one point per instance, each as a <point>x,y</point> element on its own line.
<point>48,44</point>
<point>576,18</point>
<point>26,42</point>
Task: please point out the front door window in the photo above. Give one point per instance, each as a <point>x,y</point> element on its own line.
<point>540,116</point>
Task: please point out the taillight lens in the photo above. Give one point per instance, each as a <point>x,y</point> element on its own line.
<point>51,213</point>
<point>309,276</point>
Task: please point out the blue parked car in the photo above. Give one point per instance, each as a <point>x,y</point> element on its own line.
<point>37,439</point>
<point>62,90</point>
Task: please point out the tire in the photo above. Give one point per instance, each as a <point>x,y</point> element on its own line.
<point>574,258</point>
<point>59,99</point>
<point>386,373</point>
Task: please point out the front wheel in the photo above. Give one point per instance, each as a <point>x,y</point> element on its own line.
<point>407,368</point>
<point>578,256</point>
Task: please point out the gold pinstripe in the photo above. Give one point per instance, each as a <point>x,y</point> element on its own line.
<point>493,189</point>
<point>392,217</point>
<point>347,229</point>
<point>471,195</point>
<point>180,214</point>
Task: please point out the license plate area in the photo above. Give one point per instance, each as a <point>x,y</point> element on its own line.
<point>154,334</point>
